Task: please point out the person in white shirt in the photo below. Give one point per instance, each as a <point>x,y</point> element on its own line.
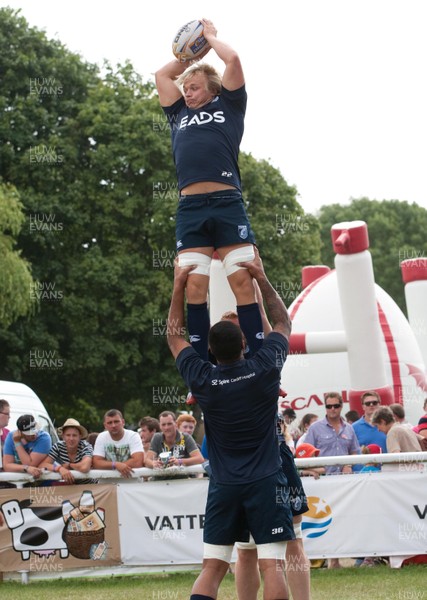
<point>118,448</point>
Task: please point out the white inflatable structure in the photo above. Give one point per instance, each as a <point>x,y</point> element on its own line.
<point>348,334</point>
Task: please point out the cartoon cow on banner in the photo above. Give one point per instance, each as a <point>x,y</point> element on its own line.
<point>76,530</point>
<point>40,530</point>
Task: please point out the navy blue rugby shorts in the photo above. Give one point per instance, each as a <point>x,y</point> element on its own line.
<point>261,507</point>
<point>297,497</point>
<point>213,220</point>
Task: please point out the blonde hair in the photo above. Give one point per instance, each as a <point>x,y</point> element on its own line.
<point>213,78</point>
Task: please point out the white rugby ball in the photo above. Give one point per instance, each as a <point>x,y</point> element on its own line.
<point>189,41</point>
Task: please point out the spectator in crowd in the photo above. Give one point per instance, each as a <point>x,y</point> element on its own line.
<point>425,405</point>
<point>148,426</point>
<point>26,447</point>
<point>421,428</point>
<point>399,415</point>
<point>182,447</point>
<point>307,420</point>
<point>4,431</point>
<point>333,437</point>
<point>204,448</point>
<point>290,420</point>
<point>117,448</point>
<point>91,438</point>
<point>289,415</point>
<point>4,420</point>
<point>186,423</point>
<point>71,453</point>
<point>365,431</point>
<point>371,467</point>
<point>352,416</point>
<point>305,450</point>
<point>421,431</point>
<point>285,434</point>
<point>399,438</point>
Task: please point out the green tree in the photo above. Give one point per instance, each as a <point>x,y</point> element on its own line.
<point>91,156</point>
<point>287,237</point>
<point>397,231</point>
<point>16,282</point>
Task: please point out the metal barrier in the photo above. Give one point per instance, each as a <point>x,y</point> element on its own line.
<point>159,524</point>
<point>19,479</point>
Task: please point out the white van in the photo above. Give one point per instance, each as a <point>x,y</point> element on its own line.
<point>24,401</point>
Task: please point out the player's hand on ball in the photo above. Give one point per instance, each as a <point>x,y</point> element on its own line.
<point>209,29</point>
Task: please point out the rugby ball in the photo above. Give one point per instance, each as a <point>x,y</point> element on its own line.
<point>189,41</point>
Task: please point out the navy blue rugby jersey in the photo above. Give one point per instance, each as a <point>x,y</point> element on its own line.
<point>239,404</point>
<point>206,141</point>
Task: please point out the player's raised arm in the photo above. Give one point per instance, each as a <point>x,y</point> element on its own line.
<point>233,77</point>
<point>276,309</point>
<point>176,322</point>
<point>166,76</point>
<point>165,82</point>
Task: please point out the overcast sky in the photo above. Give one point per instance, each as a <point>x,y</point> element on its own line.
<point>337,88</point>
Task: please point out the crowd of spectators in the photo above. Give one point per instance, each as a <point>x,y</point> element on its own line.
<point>28,449</point>
<point>380,429</point>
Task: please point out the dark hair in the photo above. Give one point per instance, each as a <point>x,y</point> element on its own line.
<point>113,413</point>
<point>398,410</point>
<point>150,423</point>
<point>336,395</point>
<point>352,416</point>
<point>3,404</point>
<point>226,341</point>
<point>91,438</point>
<point>167,413</point>
<point>384,413</point>
<point>305,421</point>
<point>289,412</point>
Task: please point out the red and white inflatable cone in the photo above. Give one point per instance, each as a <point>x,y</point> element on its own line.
<point>356,288</point>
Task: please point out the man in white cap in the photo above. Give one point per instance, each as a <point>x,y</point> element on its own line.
<point>26,447</point>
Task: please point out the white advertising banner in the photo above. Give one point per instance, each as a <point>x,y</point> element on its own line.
<point>372,514</point>
<point>161,522</point>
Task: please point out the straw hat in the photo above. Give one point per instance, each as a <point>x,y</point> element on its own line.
<point>76,424</point>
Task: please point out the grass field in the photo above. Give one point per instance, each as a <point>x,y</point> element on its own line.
<point>378,583</point>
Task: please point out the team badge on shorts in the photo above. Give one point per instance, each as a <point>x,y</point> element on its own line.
<point>243,231</point>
